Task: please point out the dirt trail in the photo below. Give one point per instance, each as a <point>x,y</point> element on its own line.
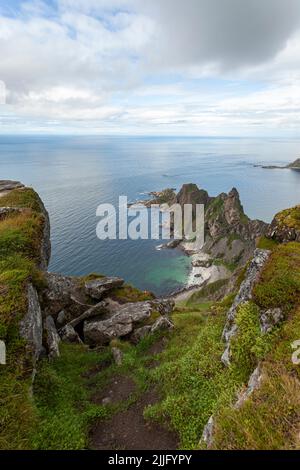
<point>127,429</point>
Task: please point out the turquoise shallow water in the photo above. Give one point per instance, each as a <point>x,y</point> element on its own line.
<point>75,174</point>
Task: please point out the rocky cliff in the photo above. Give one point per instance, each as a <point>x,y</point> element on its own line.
<point>98,349</point>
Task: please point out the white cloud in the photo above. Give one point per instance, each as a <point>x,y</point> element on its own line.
<point>108,62</point>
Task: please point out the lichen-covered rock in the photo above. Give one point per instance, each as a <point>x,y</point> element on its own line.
<point>140,333</point>
<point>270,318</point>
<point>31,327</point>
<point>99,287</point>
<point>94,311</point>
<point>7,211</point>
<point>244,295</point>
<point>97,332</point>
<point>161,324</point>
<point>7,185</point>
<point>207,435</point>
<point>61,319</point>
<point>52,338</point>
<point>63,293</point>
<point>69,335</point>
<point>253,384</point>
<point>164,306</point>
<point>285,226</point>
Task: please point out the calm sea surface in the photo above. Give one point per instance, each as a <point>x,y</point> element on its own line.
<point>73,175</point>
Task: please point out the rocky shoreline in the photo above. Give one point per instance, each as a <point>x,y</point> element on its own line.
<point>230,236</point>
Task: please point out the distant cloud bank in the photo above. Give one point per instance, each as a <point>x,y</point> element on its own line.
<point>204,67</point>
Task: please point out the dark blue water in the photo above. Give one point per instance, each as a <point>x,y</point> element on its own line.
<point>74,175</point>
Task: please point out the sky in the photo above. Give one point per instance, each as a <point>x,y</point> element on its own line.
<point>150,67</point>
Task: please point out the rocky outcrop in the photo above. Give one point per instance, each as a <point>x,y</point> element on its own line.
<point>191,194</point>
<point>124,321</point>
<point>69,335</point>
<point>7,211</point>
<point>294,165</point>
<point>243,296</point>
<point>291,166</point>
<point>161,324</point>
<point>285,226</point>
<point>163,306</point>
<point>230,236</point>
<point>62,293</point>
<point>6,186</point>
<point>270,318</point>
<point>45,252</point>
<point>31,326</point>
<point>208,432</point>
<point>102,286</point>
<point>140,333</point>
<point>52,338</point>
<point>253,384</point>
<point>226,222</point>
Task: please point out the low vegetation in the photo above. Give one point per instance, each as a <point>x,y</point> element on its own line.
<point>188,373</point>
<point>20,238</point>
<point>128,293</point>
<point>289,218</point>
<point>279,285</point>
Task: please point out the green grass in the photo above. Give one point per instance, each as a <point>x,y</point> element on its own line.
<point>231,266</point>
<point>192,380</point>
<point>63,392</point>
<point>23,198</point>
<point>128,293</point>
<point>62,400</point>
<point>20,238</point>
<point>265,243</point>
<point>270,418</point>
<point>191,375</point>
<point>216,206</point>
<point>279,285</point>
<point>21,233</point>
<point>289,218</point>
<point>206,292</point>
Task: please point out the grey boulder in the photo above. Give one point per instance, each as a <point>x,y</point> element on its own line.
<point>97,332</point>
<point>270,318</point>
<point>31,327</point>
<point>52,338</point>
<point>99,287</point>
<point>69,335</point>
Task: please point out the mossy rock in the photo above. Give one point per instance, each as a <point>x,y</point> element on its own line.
<point>128,293</point>
<point>289,218</point>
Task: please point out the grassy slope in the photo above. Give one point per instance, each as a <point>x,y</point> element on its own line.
<point>20,238</point>
<point>192,380</point>
<point>190,376</point>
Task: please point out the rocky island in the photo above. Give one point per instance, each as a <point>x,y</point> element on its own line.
<point>291,166</point>
<point>95,363</point>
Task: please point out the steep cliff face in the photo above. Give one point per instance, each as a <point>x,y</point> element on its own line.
<point>230,236</point>
<point>24,250</point>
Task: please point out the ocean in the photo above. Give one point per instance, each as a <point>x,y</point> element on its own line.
<point>74,174</point>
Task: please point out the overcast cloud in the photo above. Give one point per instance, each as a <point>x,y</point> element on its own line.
<point>159,66</point>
